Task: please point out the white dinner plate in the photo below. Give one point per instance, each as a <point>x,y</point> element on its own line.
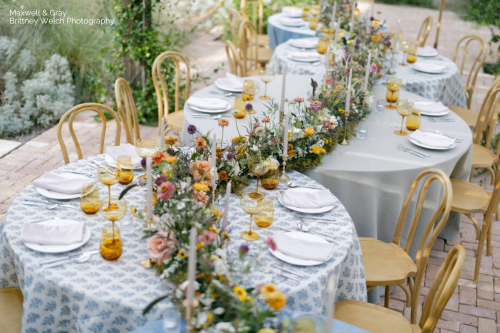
<point>431,54</point>
<point>218,85</point>
<point>57,195</point>
<point>59,248</point>
<point>211,111</point>
<point>296,261</point>
<point>306,210</point>
<point>292,23</point>
<point>293,42</point>
<point>304,60</point>
<point>417,68</point>
<point>416,143</point>
<point>112,161</point>
<point>435,114</point>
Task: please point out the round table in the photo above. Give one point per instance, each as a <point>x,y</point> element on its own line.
<point>371,177</point>
<point>446,87</point>
<point>279,33</point>
<point>100,295</point>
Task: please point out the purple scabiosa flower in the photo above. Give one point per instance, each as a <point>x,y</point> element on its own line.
<point>160,180</point>
<point>230,155</point>
<point>143,163</point>
<point>389,43</point>
<point>243,250</point>
<point>314,84</point>
<point>171,151</point>
<point>248,107</point>
<point>191,129</point>
<point>372,31</point>
<point>371,18</point>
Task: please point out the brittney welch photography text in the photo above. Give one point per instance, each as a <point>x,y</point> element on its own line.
<point>51,16</point>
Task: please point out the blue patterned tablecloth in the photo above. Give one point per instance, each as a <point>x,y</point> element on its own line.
<point>278,33</point>
<point>104,296</point>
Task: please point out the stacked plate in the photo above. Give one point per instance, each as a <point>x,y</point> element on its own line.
<point>304,43</point>
<point>434,109</point>
<point>429,67</point>
<point>304,56</point>
<point>431,140</point>
<point>208,105</point>
<point>230,82</point>
<point>302,209</point>
<point>291,22</point>
<point>427,51</point>
<point>306,237</point>
<point>291,11</point>
<point>62,186</point>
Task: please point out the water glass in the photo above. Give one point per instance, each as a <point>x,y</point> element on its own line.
<point>265,217</point>
<point>305,14</point>
<point>380,106</point>
<point>322,46</point>
<point>127,223</point>
<point>127,171</point>
<point>90,201</point>
<point>362,131</point>
<point>412,55</point>
<point>171,320</point>
<point>413,121</point>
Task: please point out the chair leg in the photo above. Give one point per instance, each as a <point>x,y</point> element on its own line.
<point>497,214</point>
<point>479,253</point>
<point>476,224</point>
<point>408,294</point>
<point>492,173</point>
<point>387,296</point>
<point>488,238</point>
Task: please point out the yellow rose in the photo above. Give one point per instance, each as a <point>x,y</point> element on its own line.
<point>277,300</point>
<point>309,131</point>
<point>350,42</point>
<point>171,159</point>
<point>376,23</point>
<point>217,212</point>
<point>316,149</point>
<point>268,289</point>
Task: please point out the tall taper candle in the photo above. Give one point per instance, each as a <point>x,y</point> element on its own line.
<point>214,160</point>
<point>336,33</point>
<point>283,84</point>
<point>394,47</point>
<point>162,135</point>
<point>334,11</point>
<point>149,202</point>
<point>348,98</point>
<point>331,291</point>
<point>373,10</point>
<point>226,206</point>
<point>367,74</point>
<point>352,19</point>
<point>285,137</point>
<point>191,266</point>
<point>376,53</point>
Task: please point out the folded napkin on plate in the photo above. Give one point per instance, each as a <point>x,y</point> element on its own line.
<point>426,51</point>
<point>304,56</point>
<point>430,107</point>
<point>67,183</point>
<point>125,149</point>
<point>291,21</point>
<point>303,249</point>
<point>36,233</point>
<point>292,11</point>
<point>230,81</point>
<point>300,199</point>
<point>208,103</point>
<point>304,42</point>
<point>429,67</point>
<point>432,139</point>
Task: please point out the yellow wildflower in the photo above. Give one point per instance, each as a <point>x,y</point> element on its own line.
<point>209,319</point>
<point>226,235</point>
<point>171,159</point>
<point>341,111</point>
<point>316,149</point>
<point>181,254</point>
<point>201,187</point>
<point>309,131</point>
<point>217,212</point>
<point>323,151</point>
<point>350,42</point>
<point>276,300</point>
<point>200,245</point>
<point>240,292</point>
<point>376,23</point>
<point>376,38</point>
<point>132,210</point>
<point>215,231</point>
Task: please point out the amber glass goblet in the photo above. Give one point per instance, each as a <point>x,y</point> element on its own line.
<point>109,174</point>
<point>393,85</point>
<point>258,166</point>
<point>112,209</point>
<point>404,108</point>
<point>127,170</point>
<point>251,205</point>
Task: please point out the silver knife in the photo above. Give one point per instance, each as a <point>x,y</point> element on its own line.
<point>324,236</point>
<point>288,271</point>
<point>49,261</point>
<point>419,152</point>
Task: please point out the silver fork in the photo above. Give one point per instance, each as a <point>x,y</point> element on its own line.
<point>210,117</point>
<point>81,173</point>
<point>442,120</point>
<point>449,136</point>
<point>411,151</point>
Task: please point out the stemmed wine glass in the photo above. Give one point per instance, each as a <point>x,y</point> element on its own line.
<point>266,76</point>
<point>251,205</point>
<point>404,108</point>
<point>405,45</point>
<point>109,174</point>
<point>112,209</point>
<point>258,167</point>
<point>250,89</point>
<point>393,85</point>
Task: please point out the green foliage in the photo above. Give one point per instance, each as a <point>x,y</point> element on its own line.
<point>418,3</point>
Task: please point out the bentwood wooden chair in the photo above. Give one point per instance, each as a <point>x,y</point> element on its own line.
<point>471,41</point>
<point>257,10</point>
<point>235,20</point>
<point>425,29</point>
<point>387,264</point>
<point>175,118</point>
<point>72,113</point>
<point>252,56</point>
<point>234,61</point>
<point>378,319</point>
<point>127,110</point>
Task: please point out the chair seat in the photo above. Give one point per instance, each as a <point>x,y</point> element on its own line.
<point>468,198</point>
<point>175,120</point>
<point>264,55</point>
<point>263,40</point>
<point>385,263</point>
<point>469,116</point>
<point>253,72</point>
<point>11,310</point>
<point>373,318</point>
<point>482,157</point>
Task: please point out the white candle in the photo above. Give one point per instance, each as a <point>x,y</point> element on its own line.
<point>352,19</point>
<point>331,291</point>
<point>191,266</point>
<point>373,10</point>
<point>376,53</point>
<point>334,11</point>
<point>283,83</point>
<point>149,202</point>
<point>285,139</point>
<point>348,99</point>
<point>162,135</point>
<point>336,32</point>
<point>394,47</point>
<point>213,176</point>
<point>226,206</point>
<point>367,74</point>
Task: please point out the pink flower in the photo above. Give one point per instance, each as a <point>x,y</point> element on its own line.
<point>374,68</point>
<point>161,246</point>
<point>298,99</point>
<point>206,237</point>
<point>316,106</point>
<point>270,242</point>
<point>165,191</point>
<point>329,80</point>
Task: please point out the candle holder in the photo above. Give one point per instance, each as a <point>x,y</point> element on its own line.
<point>190,314</point>
<point>391,71</point>
<point>149,220</point>
<point>284,177</point>
<point>345,142</point>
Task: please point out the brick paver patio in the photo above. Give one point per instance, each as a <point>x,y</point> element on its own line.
<point>472,308</point>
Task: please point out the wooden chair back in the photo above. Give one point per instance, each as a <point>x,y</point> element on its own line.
<point>486,121</point>
<point>248,47</point>
<point>477,64</point>
<point>432,229</point>
<point>234,60</point>
<point>425,29</point>
<point>72,113</point>
<point>442,288</point>
<point>161,87</point>
<point>127,110</point>
<point>235,20</point>
<point>257,11</point>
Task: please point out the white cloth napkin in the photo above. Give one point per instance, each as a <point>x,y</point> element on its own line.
<point>125,149</point>
<point>304,42</point>
<point>303,249</point>
<point>432,139</point>
<point>208,103</point>
<point>230,81</point>
<point>429,67</point>
<point>300,199</point>
<point>36,233</point>
<point>67,183</point>
<point>430,107</point>
<point>292,11</point>
<point>304,56</point>
<point>426,51</point>
<point>294,22</point>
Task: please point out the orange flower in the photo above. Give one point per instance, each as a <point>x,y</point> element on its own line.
<point>240,138</point>
<point>218,153</point>
<point>171,159</point>
<point>309,131</point>
<point>201,196</point>
<point>381,34</point>
<point>200,142</point>
<point>223,175</point>
<point>198,168</point>
<point>266,120</point>
<point>157,157</point>
<point>376,39</point>
<point>223,122</point>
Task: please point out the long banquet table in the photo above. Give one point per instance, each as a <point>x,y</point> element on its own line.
<point>279,33</point>
<point>109,296</point>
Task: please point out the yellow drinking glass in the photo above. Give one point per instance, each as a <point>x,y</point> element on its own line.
<point>404,108</point>
<point>90,200</point>
<point>266,76</point>
<point>412,55</point>
<point>265,217</point>
<point>109,174</point>
<point>239,108</point>
<point>413,121</point>
<point>322,46</point>
<point>112,209</point>
<point>258,166</point>
<point>393,85</point>
<point>127,171</point>
<point>313,23</point>
<point>315,10</point>
<point>250,205</point>
<point>270,179</point>
<point>405,45</point>
<point>305,14</point>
